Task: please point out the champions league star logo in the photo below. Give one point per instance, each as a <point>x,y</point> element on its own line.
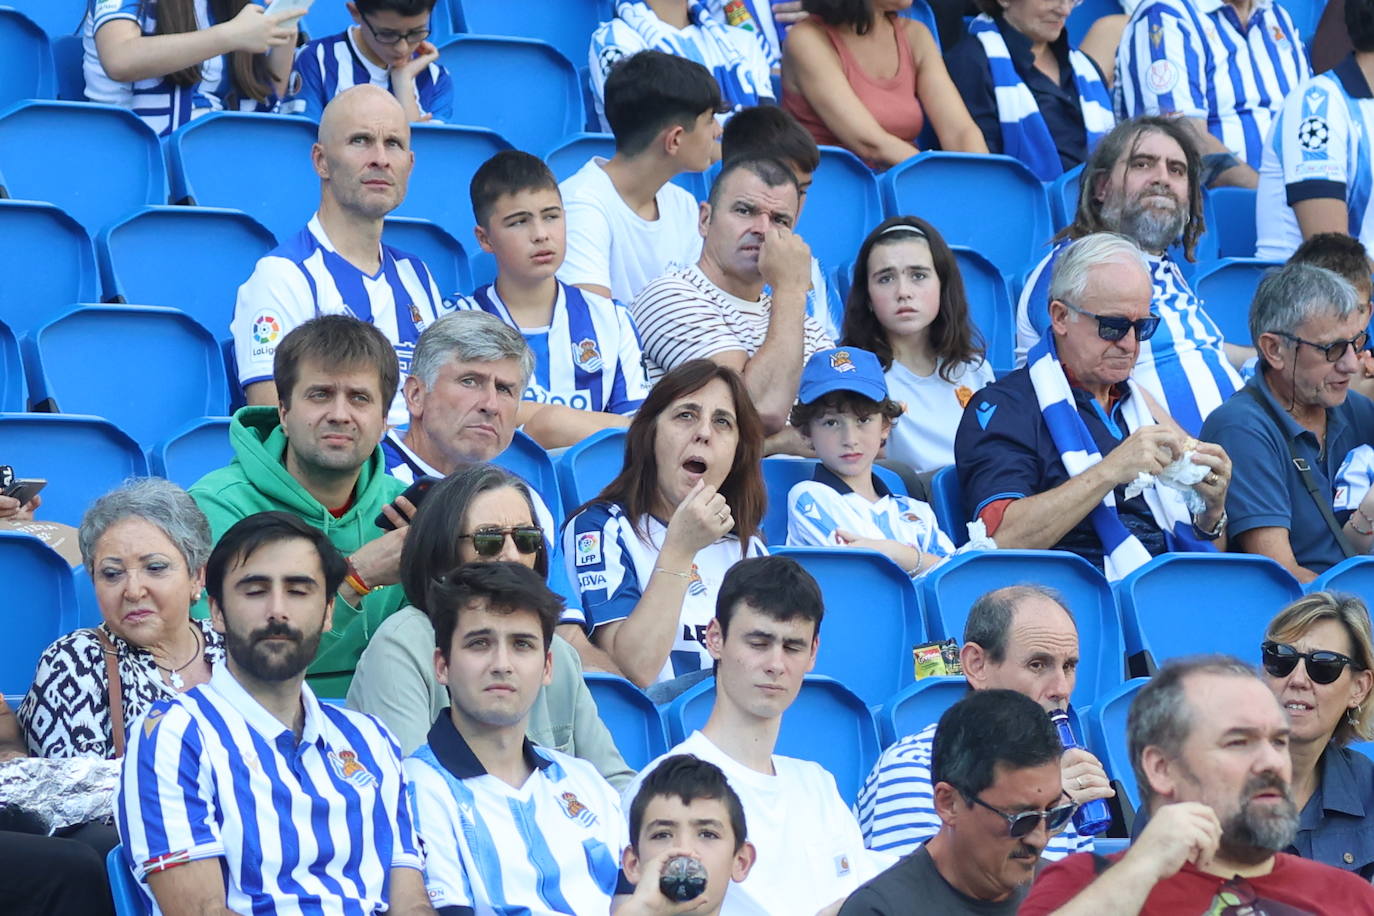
<point>1313,133</point>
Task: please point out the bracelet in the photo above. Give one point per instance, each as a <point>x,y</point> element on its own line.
<point>1368,521</point>
<point>673,572</point>
<point>920,562</point>
<point>354,581</point>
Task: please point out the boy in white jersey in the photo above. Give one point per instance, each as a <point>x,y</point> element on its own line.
<point>585,346</point>
<point>843,412</point>
<point>508,826</point>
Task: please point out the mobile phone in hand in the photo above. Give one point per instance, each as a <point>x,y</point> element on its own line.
<point>415,493</point>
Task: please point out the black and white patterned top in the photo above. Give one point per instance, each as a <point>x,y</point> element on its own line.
<point>67,710</point>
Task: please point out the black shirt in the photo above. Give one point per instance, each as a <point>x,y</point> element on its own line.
<point>915,885</point>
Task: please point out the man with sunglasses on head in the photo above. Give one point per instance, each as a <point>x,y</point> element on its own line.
<point>1046,455</point>
<point>388,47</point>
<point>1296,420</point>
<point>997,790</point>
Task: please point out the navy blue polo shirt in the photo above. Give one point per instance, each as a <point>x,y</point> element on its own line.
<point>1266,489</point>
<point>1336,826</point>
<point>1003,450</point>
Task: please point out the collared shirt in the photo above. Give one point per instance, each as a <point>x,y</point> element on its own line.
<point>1058,102</point>
<point>306,277</point>
<point>1322,147</point>
<point>306,825</point>
<point>327,66</point>
<point>1336,825</point>
<point>1266,490</point>
<point>1004,450</point>
<point>1197,59</point>
<point>549,846</point>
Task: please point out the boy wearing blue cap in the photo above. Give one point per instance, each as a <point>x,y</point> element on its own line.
<point>844,412</point>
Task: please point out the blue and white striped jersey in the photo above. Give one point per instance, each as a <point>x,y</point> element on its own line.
<point>1183,365</point>
<point>896,806</point>
<point>551,846</point>
<point>1322,146</point>
<point>327,66</point>
<point>306,277</point>
<point>588,357</point>
<point>754,16</point>
<point>818,507</point>
<point>610,565</point>
<point>1196,59</point>
<point>307,826</point>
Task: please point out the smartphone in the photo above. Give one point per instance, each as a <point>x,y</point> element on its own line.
<point>415,493</point>
<point>287,6</point>
<point>24,489</point>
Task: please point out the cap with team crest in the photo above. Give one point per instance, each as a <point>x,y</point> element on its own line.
<point>842,369</point>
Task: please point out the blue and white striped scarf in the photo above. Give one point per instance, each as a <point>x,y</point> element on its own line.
<point>1122,551</point>
<point>660,36</point>
<point>1025,136</point>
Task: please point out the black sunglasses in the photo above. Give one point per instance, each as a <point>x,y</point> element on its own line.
<point>487,542</point>
<point>1111,327</point>
<point>1334,350</point>
<point>392,37</point>
<point>1322,667</point>
<point>1023,824</point>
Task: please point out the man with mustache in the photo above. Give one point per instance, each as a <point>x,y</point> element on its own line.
<point>1209,745</point>
<point>1143,181</point>
<point>247,794</point>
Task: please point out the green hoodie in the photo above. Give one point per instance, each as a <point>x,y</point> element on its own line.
<point>257,481</point>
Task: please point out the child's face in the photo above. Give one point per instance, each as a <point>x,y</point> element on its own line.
<point>903,286</point>
<point>702,830</point>
<point>526,233</point>
<point>847,444</point>
<point>389,25</point>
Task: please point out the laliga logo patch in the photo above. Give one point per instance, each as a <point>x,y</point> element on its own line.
<point>586,355</point>
<point>266,328</point>
<point>576,810</point>
<point>840,361</point>
<point>588,549</point>
<point>346,767</point>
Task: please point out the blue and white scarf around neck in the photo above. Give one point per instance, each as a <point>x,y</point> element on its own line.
<point>1025,136</point>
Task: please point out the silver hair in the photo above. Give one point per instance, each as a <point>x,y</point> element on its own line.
<point>1289,295</point>
<point>157,501</point>
<point>469,336</point>
<point>1072,268</point>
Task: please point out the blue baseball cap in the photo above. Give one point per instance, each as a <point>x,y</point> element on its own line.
<point>842,369</point>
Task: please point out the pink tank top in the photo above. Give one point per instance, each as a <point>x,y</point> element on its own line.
<point>891,101</point>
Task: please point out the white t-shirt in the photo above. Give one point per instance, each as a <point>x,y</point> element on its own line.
<point>810,850</point>
<point>923,437</point>
<point>611,245</point>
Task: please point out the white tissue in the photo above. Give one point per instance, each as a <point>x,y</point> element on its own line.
<point>1182,474</point>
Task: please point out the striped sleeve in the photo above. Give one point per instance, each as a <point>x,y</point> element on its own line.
<point>431,805</point>
<point>896,806</point>
<point>308,96</point>
<point>811,511</point>
<point>600,565</point>
<point>438,99</point>
<point>629,389</point>
<point>678,323</point>
<point>1162,65</point>
<point>102,11</point>
<point>276,300</point>
<point>1313,142</point>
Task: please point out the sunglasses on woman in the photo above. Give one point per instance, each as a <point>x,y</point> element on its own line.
<point>487,542</point>
<point>1114,327</point>
<point>1020,825</point>
<point>1323,667</point>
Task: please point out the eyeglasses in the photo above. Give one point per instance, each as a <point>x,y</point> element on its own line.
<point>1334,350</point>
<point>487,542</point>
<point>1111,327</point>
<point>1280,659</point>
<point>1023,824</point>
<point>393,37</point>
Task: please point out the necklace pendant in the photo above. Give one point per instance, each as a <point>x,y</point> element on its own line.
<point>177,681</point>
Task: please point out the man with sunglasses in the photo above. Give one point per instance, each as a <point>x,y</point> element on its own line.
<point>1295,421</point>
<point>388,48</point>
<point>995,771</point>
<point>1045,455</point>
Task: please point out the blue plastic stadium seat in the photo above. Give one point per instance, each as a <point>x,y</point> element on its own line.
<point>632,718</point>
<point>827,723</point>
<point>165,370</point>
<point>13,389</point>
<point>947,500</point>
<point>1306,14</point>
<point>38,586</point>
<point>56,17</point>
<point>1161,614</point>
<point>574,151</point>
<point>1233,221</point>
<point>443,254</point>
<point>193,451</point>
<point>26,63</point>
<point>41,234</point>
<point>588,466</point>
<point>1354,576</point>
<point>782,473</point>
<point>949,590</point>
<point>841,208</point>
<point>566,26</point>
<point>989,303</point>
<point>524,90</point>
<point>1107,735</point>
<point>1226,289</point>
<point>188,258</point>
<point>976,215</point>
<point>98,162</point>
<point>917,705</point>
<point>527,460</point>
<point>81,457</point>
<point>69,77</point>
<point>920,11</point>
<point>243,161</point>
<point>128,897</point>
<point>1063,193</point>
<point>869,602</point>
<point>1087,13</point>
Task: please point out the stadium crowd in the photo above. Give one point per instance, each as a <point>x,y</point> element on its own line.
<point>347,671</point>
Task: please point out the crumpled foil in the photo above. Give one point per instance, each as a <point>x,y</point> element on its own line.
<point>62,791</point>
<point>977,538</point>
<point>1181,475</point>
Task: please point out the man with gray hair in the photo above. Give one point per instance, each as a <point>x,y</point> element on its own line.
<point>1044,455</point>
<point>1295,421</point>
<point>1209,745</point>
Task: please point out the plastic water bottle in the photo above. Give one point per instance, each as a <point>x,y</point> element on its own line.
<point>1093,817</point>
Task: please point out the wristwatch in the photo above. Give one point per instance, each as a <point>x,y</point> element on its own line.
<point>1215,532</point>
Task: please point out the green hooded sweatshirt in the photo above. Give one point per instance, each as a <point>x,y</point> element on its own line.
<point>257,481</point>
